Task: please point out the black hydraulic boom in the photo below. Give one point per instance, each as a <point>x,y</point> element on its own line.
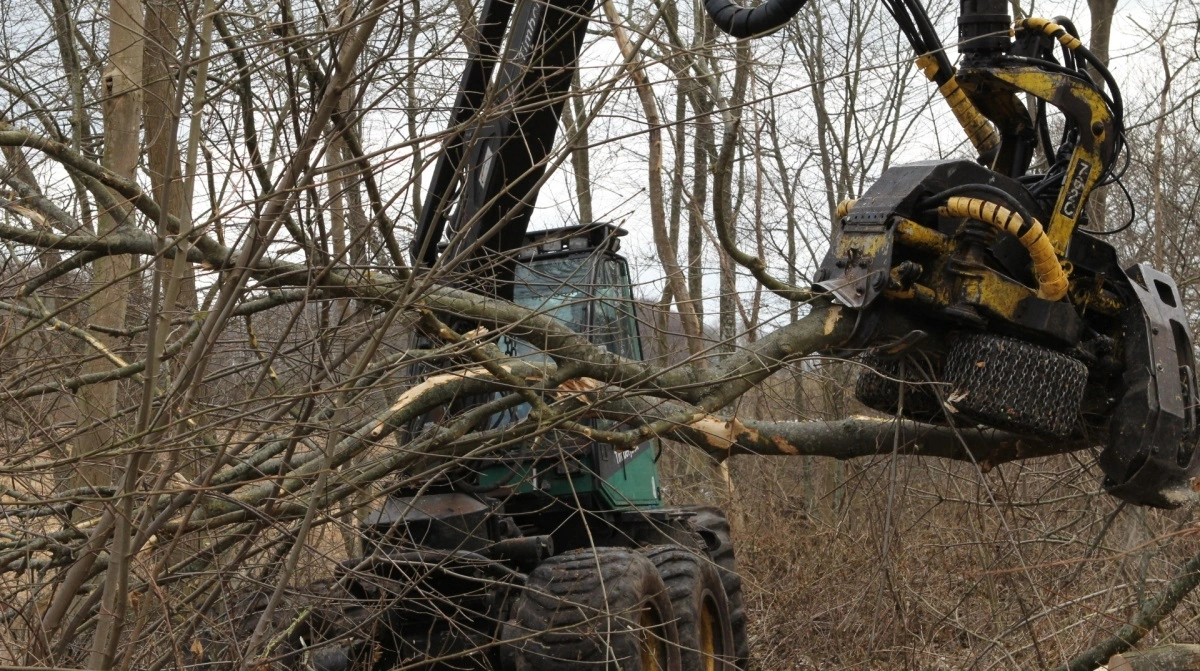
<point>501,134</point>
<point>504,122</point>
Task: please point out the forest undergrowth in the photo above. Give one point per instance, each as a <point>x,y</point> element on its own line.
<point>914,563</point>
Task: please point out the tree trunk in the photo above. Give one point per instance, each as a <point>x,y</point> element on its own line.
<point>704,146</point>
<point>1102,15</point>
<point>1101,28</point>
<point>162,156</point>
<point>724,208</point>
<point>414,105</point>
<point>573,115</point>
<point>658,216</point>
<point>122,141</point>
<point>123,80</point>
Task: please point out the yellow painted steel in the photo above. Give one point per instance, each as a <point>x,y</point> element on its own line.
<point>1087,163</point>
<point>1052,281</point>
<point>1076,187</point>
<point>926,239</point>
<point>1091,295</point>
<point>918,292</point>
<point>708,637</point>
<point>996,293</point>
<point>991,291</point>
<point>976,126</point>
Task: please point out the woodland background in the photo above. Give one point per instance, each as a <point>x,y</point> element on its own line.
<point>205,315</point>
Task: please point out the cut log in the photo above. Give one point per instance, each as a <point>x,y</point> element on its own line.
<point>1162,658</point>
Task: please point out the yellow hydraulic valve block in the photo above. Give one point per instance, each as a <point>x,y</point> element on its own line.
<point>1052,280</point>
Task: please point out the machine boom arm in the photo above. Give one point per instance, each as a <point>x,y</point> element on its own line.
<point>501,134</point>
<point>504,122</point>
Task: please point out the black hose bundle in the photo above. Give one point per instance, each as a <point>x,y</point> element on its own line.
<point>914,22</point>
<point>743,22</point>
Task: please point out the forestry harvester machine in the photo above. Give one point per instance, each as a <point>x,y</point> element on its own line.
<point>1022,313</point>
<point>1013,315</point>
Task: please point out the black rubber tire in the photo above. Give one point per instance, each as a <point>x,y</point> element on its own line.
<point>214,645</point>
<point>1015,385</point>
<point>337,616</point>
<point>878,387</point>
<point>713,527</point>
<point>701,608</point>
<point>594,609</point>
<point>220,646</point>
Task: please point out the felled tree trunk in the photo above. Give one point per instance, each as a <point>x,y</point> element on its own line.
<point>1163,658</point>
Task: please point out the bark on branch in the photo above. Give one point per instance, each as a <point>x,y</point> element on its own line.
<point>1142,623</point>
<point>1163,658</point>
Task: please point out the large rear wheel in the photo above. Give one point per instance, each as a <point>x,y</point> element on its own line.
<point>700,606</point>
<point>710,523</point>
<point>321,622</point>
<point>605,608</point>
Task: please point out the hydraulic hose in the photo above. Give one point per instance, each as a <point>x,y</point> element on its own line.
<point>983,137</point>
<point>1065,38</point>
<point>1050,29</point>
<point>844,207</point>
<point>741,22</point>
<point>1052,281</point>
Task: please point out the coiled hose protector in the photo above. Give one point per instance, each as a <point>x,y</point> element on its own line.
<point>1052,281</point>
<point>977,127</point>
<point>1050,28</point>
<point>844,207</point>
<point>741,22</point>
